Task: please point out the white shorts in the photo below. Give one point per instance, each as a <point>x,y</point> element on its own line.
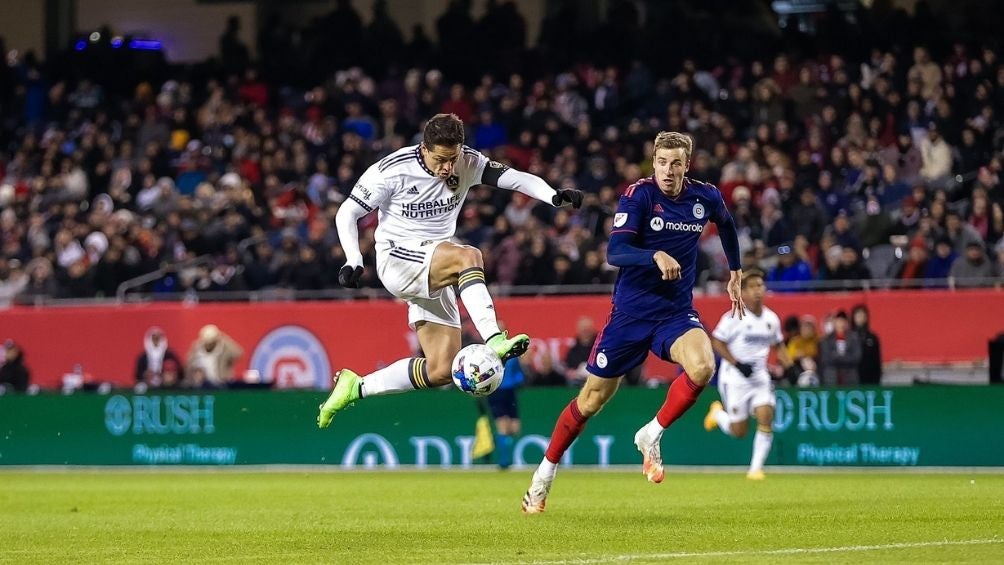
<point>741,395</point>
<point>403,268</point>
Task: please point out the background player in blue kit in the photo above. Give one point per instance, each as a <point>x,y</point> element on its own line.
<point>654,241</point>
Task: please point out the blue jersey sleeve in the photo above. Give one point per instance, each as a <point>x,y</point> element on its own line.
<point>630,216</point>
<point>632,212</point>
<point>727,232</point>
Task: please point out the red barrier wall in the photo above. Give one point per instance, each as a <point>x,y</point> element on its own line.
<point>924,326</point>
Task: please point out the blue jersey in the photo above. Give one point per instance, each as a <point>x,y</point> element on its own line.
<point>656,222</point>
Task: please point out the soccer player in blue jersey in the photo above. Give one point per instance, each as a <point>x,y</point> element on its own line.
<point>654,241</point>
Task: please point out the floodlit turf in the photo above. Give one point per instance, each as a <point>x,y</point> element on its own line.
<point>473,517</point>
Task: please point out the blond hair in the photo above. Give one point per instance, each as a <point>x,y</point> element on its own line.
<point>672,140</point>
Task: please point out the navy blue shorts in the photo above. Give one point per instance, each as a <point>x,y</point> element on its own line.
<point>503,403</point>
<point>625,341</point>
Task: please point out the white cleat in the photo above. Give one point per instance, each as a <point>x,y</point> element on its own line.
<point>651,452</point>
<point>536,496</point>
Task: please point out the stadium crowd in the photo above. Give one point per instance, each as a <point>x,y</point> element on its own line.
<point>840,166</point>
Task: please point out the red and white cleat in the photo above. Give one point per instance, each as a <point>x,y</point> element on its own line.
<point>651,452</point>
<point>536,496</point>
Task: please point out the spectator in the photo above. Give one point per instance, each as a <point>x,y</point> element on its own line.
<point>870,367</point>
<point>840,354</point>
<point>12,281</point>
<point>904,158</point>
<point>578,354</point>
<point>916,264</point>
<point>543,371</point>
<point>803,346</point>
<point>936,155</point>
<point>851,268</point>
<point>211,359</point>
<point>959,233</point>
<point>157,366</point>
<point>233,53</point>
<point>926,72</point>
<point>14,375</point>
<point>873,224</point>
<point>973,269</point>
<point>789,271</point>
<point>940,265</point>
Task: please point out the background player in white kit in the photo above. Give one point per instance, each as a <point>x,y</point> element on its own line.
<point>744,383</point>
<point>419,191</point>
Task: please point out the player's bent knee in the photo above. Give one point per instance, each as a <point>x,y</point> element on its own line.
<point>470,257</point>
<point>739,430</point>
<point>700,372</point>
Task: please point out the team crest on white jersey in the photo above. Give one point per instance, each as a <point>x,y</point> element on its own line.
<point>657,224</point>
<point>620,218</point>
<point>699,211</point>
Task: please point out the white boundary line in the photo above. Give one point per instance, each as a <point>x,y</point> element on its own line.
<point>433,468</point>
<point>759,553</point>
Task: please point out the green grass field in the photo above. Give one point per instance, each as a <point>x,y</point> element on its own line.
<point>473,517</point>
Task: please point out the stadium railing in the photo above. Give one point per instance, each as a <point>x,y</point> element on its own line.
<point>127,294</point>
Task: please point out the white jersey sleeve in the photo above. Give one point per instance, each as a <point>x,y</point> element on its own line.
<point>725,331</point>
<point>776,324</point>
<point>475,162</point>
<point>372,190</point>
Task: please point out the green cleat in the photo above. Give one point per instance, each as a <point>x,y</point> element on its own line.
<point>345,392</point>
<point>507,348</point>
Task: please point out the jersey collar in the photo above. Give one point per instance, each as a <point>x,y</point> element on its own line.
<point>418,155</point>
<point>683,189</point>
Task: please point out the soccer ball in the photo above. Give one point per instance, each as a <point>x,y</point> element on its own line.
<point>477,370</point>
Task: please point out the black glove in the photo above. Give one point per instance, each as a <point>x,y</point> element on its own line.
<point>570,195</point>
<point>745,368</point>
<point>349,276</point>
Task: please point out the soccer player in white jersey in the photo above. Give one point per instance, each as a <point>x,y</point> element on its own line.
<point>744,383</point>
<point>419,191</point>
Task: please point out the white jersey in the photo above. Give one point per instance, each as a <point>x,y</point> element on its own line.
<point>749,339</point>
<point>414,203</point>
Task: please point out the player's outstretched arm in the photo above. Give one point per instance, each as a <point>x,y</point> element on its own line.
<point>730,243</point>
<point>347,224</point>
<point>502,176</point>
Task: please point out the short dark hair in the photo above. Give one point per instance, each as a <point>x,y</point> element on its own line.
<point>751,274</point>
<point>444,130</point>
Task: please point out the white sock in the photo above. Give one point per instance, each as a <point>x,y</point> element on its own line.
<point>478,302</point>
<point>724,422</point>
<point>546,470</point>
<point>654,429</point>
<point>761,447</point>
<point>400,376</point>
